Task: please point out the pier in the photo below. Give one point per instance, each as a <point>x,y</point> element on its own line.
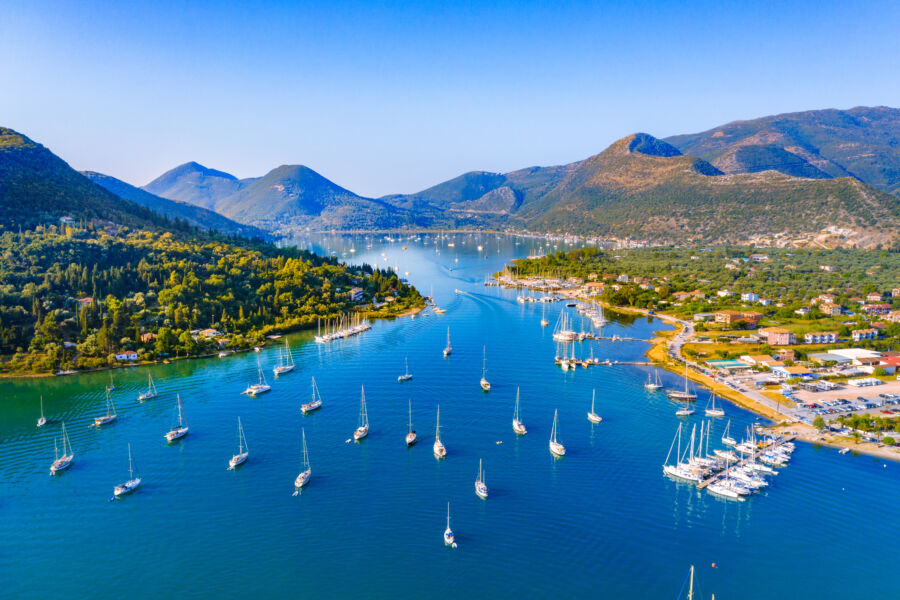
<point>715,476</point>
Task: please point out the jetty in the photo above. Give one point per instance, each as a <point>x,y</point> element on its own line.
<point>718,473</point>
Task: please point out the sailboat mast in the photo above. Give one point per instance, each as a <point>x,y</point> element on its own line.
<point>130,464</point>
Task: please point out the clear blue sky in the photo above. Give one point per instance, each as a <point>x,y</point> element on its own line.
<point>389,97</point>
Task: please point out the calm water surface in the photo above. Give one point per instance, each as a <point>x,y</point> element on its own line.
<point>601,522</point>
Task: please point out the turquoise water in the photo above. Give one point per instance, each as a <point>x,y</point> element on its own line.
<point>601,522</point>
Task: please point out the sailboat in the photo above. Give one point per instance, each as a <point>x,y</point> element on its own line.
<point>133,481</point>
<point>712,410</point>
<point>517,424</point>
<point>406,375</point>
<point>151,390</point>
<point>181,429</point>
<point>685,411</point>
<point>411,436</point>
<point>726,435</point>
<point>544,321</point>
<point>286,364</point>
<point>484,383</point>
<point>448,533</point>
<point>592,416</point>
<point>449,349</point>
<point>61,463</point>
<point>306,473</point>
<point>481,489</point>
<point>110,415</point>
<point>43,420</point>
<point>555,447</point>
<point>362,429</point>
<point>438,448</point>
<point>262,386</point>
<point>687,394</point>
<point>316,401</point>
<point>243,451</point>
<point>654,384</point>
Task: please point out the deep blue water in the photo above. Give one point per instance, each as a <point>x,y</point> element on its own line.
<point>601,522</point>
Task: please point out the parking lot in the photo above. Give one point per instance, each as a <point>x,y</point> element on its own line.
<point>878,399</point>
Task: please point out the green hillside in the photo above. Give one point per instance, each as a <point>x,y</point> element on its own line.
<point>196,184</point>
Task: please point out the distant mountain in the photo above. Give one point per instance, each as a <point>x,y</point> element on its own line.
<point>37,187</point>
<point>863,142</point>
<point>194,183</point>
<point>195,215</point>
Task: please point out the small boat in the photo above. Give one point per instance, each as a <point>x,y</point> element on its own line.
<point>151,390</point>
<point>654,384</point>
<point>684,411</point>
<point>712,410</point>
<point>64,461</point>
<point>481,489</point>
<point>448,349</point>
<point>411,437</point>
<point>315,403</point>
<point>592,416</point>
<point>243,451</point>
<point>406,375</point>
<point>306,471</point>
<point>484,383</point>
<point>257,349</point>
<point>262,386</point>
<point>556,448</point>
<point>43,420</point>
<point>286,362</point>
<point>133,481</point>
<point>517,424</point>
<point>362,430</point>
<point>110,415</point>
<point>440,452</point>
<point>726,438</point>
<point>438,310</point>
<point>448,533</point>
<point>181,429</point>
<point>223,354</point>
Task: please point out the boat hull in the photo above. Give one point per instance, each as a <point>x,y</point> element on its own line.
<point>411,439</point>
<point>126,488</point>
<point>237,460</point>
<point>361,433</point>
<point>302,478</point>
<point>308,408</point>
<point>594,417</point>
<point>519,427</point>
<point>61,464</point>
<point>176,434</point>
<point>557,449</point>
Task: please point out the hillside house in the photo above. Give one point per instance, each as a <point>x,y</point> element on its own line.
<point>777,336</point>
<point>821,337</point>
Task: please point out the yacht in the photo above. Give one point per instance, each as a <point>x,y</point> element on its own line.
<point>448,349</point>
<point>517,424</point>
<point>544,321</point>
<point>439,450</point>
<point>286,364</point>
<point>484,383</point>
<point>556,448</point>
<point>655,383</point>
<point>712,410</point>
<point>362,429</point>
<point>481,489</point>
<point>448,533</point>
<point>303,477</point>
<point>110,415</point>
<point>687,394</point>
<point>151,390</point>
<point>262,386</point>
<point>64,461</point>
<point>592,416</point>
<point>406,375</point>
<point>181,429</point>
<point>726,437</point>
<point>681,470</point>
<point>315,403</point>
<point>411,437</point>
<point>43,420</point>
<point>243,451</point>
<point>133,481</point>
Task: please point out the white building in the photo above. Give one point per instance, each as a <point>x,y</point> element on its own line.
<point>749,297</point>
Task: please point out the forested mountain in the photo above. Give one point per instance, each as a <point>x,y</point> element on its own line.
<point>194,183</point>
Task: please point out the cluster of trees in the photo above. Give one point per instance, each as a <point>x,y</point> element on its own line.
<point>72,297</point>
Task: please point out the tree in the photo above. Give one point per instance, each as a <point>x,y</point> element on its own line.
<point>819,423</point>
<point>888,441</point>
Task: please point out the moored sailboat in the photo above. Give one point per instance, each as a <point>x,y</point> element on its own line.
<point>448,533</point>
<point>262,386</point>
<point>484,383</point>
<point>592,416</point>
<point>181,428</point>
<point>133,481</point>
<point>653,384</point>
<point>406,374</point>
<point>411,437</point>
<point>315,403</point>
<point>151,390</point>
<point>517,424</point>
<point>439,450</point>
<point>286,362</point>
<point>64,461</point>
<point>687,394</point>
<point>243,450</point>
<point>448,349</point>
<point>110,415</point>
<point>481,489</point>
<point>726,436</point>
<point>43,420</point>
<point>306,471</point>
<point>556,448</point>
<point>362,429</point>
<point>712,410</point>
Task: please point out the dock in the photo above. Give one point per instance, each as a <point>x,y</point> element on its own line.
<point>715,476</point>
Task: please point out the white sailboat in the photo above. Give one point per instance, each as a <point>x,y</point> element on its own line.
<point>411,437</point>
<point>306,471</point>
<point>556,448</point>
<point>181,429</point>
<point>448,349</point>
<point>712,410</point>
<point>286,364</point>
<point>484,383</point>
<point>243,450</point>
<point>654,384</point>
<point>592,416</point>
<point>406,375</point>
<point>726,435</point>
<point>517,424</point>
<point>43,420</point>
<point>315,403</point>
<point>151,390</point>
<point>133,481</point>
<point>448,533</point>
<point>544,321</point>
<point>64,461</point>
<point>439,451</point>
<point>362,429</point>
<point>481,489</point>
<point>685,411</point>
<point>110,415</point>
<point>262,386</point>
<point>687,394</point>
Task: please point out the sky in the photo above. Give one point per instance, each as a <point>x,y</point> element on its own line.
<point>393,97</point>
